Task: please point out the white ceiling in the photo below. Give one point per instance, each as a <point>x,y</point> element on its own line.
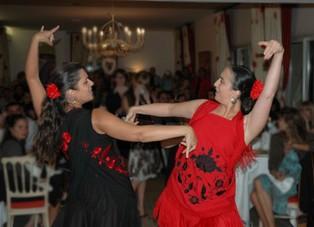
<point>150,14</point>
<point>155,16</point>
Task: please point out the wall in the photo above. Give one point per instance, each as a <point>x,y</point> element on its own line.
<point>19,40</point>
<point>205,36</point>
<point>205,39</point>
<point>302,19</point>
<point>241,30</point>
<point>158,51</point>
<point>240,26</point>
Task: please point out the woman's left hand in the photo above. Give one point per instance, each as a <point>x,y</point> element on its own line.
<point>189,141</point>
<point>272,48</point>
<point>46,36</point>
<point>130,121</point>
<point>131,116</point>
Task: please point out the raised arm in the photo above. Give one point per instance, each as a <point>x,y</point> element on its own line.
<point>183,109</point>
<point>36,88</point>
<point>106,123</point>
<point>256,120</point>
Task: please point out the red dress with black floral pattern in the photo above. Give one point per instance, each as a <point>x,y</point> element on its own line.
<point>201,188</point>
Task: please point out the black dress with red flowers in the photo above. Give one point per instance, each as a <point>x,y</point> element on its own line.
<point>100,192</point>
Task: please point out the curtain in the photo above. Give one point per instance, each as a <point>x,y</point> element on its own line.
<point>273,23</point>
<point>185,48</point>
<point>222,51</point>
<point>187,61</point>
<point>286,41</point>
<point>191,48</point>
<point>4,58</point>
<point>178,49</point>
<point>257,34</point>
<point>266,25</point>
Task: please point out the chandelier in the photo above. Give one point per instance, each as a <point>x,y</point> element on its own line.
<point>112,40</point>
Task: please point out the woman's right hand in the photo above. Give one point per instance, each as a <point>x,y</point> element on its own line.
<point>189,141</point>
<point>46,36</point>
<point>131,116</point>
<point>271,48</point>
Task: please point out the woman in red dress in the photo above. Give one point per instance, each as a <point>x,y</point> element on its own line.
<point>201,189</point>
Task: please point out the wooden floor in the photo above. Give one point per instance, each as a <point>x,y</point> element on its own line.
<point>154,188</point>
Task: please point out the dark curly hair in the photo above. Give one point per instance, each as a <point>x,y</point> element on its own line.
<point>243,81</point>
<point>46,144</point>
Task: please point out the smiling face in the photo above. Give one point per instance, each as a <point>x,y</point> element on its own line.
<point>83,90</point>
<point>224,87</point>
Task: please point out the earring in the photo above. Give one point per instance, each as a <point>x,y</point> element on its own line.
<point>72,102</point>
<point>233,100</point>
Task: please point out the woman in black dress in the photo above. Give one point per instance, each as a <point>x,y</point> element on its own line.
<point>100,193</point>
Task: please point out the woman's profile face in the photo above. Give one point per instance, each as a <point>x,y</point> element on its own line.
<point>20,129</point>
<point>224,87</point>
<point>83,92</point>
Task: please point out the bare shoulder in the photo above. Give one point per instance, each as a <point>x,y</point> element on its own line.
<point>198,102</point>
<point>100,116</point>
<point>193,105</point>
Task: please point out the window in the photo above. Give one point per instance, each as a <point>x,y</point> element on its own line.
<point>241,56</point>
<point>301,79</point>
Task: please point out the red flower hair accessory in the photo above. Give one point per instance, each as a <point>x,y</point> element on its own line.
<point>53,91</point>
<point>257,89</point>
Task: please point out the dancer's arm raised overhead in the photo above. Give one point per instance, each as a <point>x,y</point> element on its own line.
<point>31,68</point>
<point>256,120</point>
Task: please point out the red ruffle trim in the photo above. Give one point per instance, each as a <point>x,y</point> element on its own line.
<point>247,158</point>
<point>168,214</point>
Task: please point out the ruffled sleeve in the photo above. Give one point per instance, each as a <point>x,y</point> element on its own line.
<point>247,157</point>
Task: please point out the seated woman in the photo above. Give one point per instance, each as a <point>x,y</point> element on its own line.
<point>16,129</point>
<point>271,192</point>
<point>13,143</point>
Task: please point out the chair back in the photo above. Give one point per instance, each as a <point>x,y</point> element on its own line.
<point>22,179</point>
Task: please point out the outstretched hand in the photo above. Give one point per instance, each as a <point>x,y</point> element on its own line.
<point>46,36</point>
<point>190,142</point>
<point>272,48</point>
<point>130,121</point>
<point>131,116</point>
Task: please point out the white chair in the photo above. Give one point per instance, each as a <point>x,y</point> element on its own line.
<point>26,192</point>
<point>293,212</point>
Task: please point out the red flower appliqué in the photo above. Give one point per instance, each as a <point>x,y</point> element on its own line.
<point>66,139</point>
<point>53,91</point>
<point>257,89</point>
<point>116,163</point>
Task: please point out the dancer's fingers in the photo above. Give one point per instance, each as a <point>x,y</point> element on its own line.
<point>53,30</point>
<point>262,43</point>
